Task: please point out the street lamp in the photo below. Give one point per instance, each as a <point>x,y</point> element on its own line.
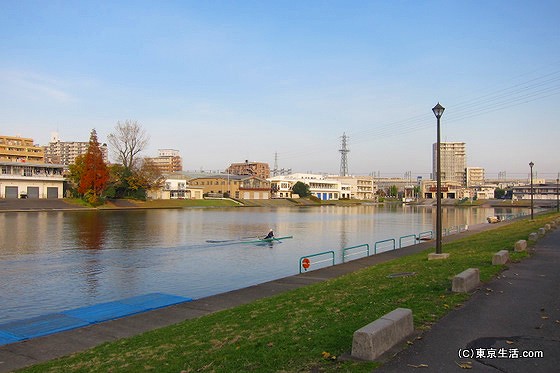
<point>438,112</point>
<point>531,164</point>
<point>557,194</point>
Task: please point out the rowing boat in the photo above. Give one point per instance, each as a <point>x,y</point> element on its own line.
<point>268,239</point>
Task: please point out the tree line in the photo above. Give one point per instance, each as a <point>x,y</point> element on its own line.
<point>132,176</point>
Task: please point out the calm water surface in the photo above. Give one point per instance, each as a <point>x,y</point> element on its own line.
<point>53,261</point>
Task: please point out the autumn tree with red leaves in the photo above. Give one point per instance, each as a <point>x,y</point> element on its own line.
<point>92,172</point>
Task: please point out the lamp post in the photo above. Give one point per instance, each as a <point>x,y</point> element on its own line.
<point>557,194</point>
<point>438,112</point>
<point>531,164</point>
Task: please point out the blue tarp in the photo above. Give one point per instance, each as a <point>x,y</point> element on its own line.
<point>6,338</point>
<point>48,324</point>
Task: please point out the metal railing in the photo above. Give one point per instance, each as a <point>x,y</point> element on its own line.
<point>382,243</point>
<point>305,261</point>
<point>366,245</point>
<point>407,238</point>
<point>426,236</point>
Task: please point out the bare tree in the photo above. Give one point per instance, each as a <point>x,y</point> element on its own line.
<point>127,141</point>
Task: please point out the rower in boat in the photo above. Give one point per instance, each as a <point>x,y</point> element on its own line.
<point>270,235</point>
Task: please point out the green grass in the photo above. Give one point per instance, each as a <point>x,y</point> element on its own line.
<point>291,331</point>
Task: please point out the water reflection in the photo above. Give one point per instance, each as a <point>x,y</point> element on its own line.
<point>51,261</point>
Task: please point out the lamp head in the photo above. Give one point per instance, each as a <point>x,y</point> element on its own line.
<point>438,110</point>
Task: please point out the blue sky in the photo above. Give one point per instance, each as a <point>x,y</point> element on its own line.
<point>226,81</point>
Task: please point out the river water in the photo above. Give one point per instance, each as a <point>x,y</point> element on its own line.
<point>54,261</point>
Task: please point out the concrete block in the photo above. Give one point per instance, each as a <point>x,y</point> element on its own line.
<point>434,256</point>
<point>533,236</point>
<point>466,281</point>
<point>541,232</point>
<point>501,257</point>
<point>374,339</point>
<point>521,245</point>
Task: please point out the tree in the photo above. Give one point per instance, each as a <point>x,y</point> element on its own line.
<point>77,169</point>
<point>145,178</point>
<point>301,189</point>
<point>127,141</point>
<point>93,173</point>
<point>499,193</point>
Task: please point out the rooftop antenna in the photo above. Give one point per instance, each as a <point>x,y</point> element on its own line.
<point>344,158</point>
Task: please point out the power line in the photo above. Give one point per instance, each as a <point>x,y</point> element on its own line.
<point>526,91</point>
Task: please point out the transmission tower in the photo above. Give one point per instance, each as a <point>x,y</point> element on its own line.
<point>279,171</point>
<point>275,170</point>
<point>344,158</point>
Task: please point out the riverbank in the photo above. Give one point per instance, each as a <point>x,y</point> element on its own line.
<point>297,329</point>
<point>123,204</point>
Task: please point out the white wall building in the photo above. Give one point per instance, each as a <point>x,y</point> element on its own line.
<point>360,187</point>
<point>319,186</point>
<point>177,187</point>
<point>31,180</point>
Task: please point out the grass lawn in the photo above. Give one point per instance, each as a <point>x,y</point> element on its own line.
<point>301,330</point>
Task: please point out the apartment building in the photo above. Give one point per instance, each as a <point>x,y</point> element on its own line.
<point>474,176</point>
<point>453,158</point>
<point>168,161</point>
<point>66,152</point>
<point>20,149</point>
<point>258,169</point>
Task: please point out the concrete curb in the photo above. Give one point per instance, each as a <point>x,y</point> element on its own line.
<point>376,338</point>
<point>466,281</point>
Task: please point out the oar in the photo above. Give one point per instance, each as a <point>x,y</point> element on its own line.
<point>237,239</point>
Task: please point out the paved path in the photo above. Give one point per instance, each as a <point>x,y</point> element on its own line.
<point>517,313</point>
<point>33,351</point>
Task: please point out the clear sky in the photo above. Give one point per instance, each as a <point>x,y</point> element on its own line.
<point>226,81</point>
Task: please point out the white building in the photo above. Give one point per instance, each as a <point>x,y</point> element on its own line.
<point>319,186</point>
<point>177,187</point>
<point>360,187</point>
<point>31,180</point>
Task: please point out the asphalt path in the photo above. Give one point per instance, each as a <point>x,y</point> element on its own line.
<point>511,324</point>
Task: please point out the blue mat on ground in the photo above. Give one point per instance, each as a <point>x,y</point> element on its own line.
<point>48,324</point>
<point>6,338</point>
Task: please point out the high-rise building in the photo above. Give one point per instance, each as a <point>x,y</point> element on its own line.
<point>20,149</point>
<point>258,169</point>
<point>474,176</point>
<point>168,161</point>
<point>453,161</point>
<point>65,152</point>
